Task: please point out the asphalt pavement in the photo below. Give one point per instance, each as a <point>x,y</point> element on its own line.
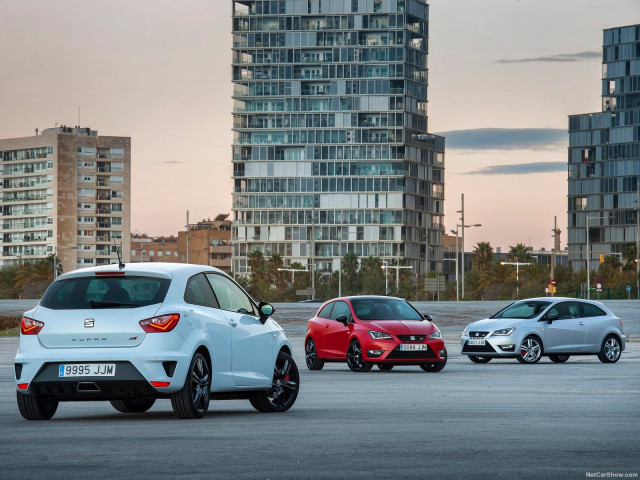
<point>499,420</point>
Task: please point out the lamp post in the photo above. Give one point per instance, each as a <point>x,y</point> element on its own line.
<point>517,264</point>
<point>463,226</point>
<point>589,255</point>
<point>455,232</point>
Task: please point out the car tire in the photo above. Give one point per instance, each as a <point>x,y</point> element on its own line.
<point>385,367</point>
<point>133,405</point>
<point>37,407</point>
<point>479,359</point>
<point>433,367</point>
<point>311,356</point>
<point>559,358</point>
<point>610,350</point>
<point>192,401</point>
<point>355,359</point>
<point>284,388</point>
<point>530,350</point>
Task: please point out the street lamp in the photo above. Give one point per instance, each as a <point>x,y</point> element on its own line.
<point>517,264</point>
<point>463,226</point>
<point>589,256</point>
<point>455,232</point>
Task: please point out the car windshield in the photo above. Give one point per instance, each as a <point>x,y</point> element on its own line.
<point>105,292</point>
<point>523,310</point>
<point>384,309</point>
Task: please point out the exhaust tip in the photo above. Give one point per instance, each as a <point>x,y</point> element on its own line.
<point>88,387</point>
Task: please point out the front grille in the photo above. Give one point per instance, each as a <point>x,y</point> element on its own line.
<point>398,354</point>
<point>411,338</point>
<point>478,334</point>
<point>486,348</point>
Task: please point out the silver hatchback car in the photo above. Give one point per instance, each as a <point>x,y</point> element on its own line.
<point>553,327</point>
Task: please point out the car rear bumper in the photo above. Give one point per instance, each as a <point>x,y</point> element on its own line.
<point>133,376</point>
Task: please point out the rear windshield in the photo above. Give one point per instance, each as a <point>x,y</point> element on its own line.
<point>384,309</point>
<point>105,292</point>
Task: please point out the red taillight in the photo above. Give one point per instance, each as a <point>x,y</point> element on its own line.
<point>160,384</point>
<point>29,326</point>
<point>163,323</point>
<point>23,386</point>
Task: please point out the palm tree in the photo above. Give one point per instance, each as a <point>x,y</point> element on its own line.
<point>277,277</point>
<point>371,276</point>
<point>482,256</point>
<point>8,288</point>
<point>350,274</point>
<point>519,253</point>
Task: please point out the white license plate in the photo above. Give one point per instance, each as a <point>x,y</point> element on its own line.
<point>87,370</point>
<point>407,347</point>
<point>477,341</point>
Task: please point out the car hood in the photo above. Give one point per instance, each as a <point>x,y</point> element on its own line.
<point>101,327</point>
<point>401,327</point>
<point>491,324</point>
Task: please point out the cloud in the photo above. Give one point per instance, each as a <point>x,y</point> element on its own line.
<point>559,57</point>
<point>521,168</point>
<point>506,139</point>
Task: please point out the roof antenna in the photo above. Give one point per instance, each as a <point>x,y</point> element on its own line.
<point>120,264</point>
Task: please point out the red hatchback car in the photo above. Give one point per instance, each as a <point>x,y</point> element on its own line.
<point>370,330</point>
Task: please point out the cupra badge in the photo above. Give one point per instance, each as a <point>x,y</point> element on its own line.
<point>88,322</point>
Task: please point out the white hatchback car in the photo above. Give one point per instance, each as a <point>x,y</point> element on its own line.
<point>555,327</point>
<point>132,334</point>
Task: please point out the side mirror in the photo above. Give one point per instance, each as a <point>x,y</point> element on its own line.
<point>427,317</point>
<point>266,310</point>
<point>552,317</point>
<point>342,319</point>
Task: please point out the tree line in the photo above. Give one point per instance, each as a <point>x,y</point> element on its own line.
<point>488,278</point>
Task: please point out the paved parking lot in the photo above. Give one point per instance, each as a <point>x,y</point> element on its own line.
<point>499,420</point>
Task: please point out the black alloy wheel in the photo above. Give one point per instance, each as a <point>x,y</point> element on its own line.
<point>133,405</point>
<point>311,356</point>
<point>192,401</point>
<point>610,350</point>
<point>559,358</point>
<point>284,388</point>
<point>435,366</point>
<point>355,360</point>
<point>37,407</point>
<point>479,359</point>
<point>530,350</point>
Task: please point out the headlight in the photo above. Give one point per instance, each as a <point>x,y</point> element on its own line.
<point>380,335</point>
<point>503,332</point>
<point>435,335</point>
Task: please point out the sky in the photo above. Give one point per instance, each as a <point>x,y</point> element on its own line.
<point>503,77</point>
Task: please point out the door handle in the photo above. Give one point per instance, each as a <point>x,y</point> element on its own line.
<point>326,325</point>
<point>233,323</point>
<point>582,323</point>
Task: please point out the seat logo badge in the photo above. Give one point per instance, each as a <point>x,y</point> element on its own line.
<point>89,322</point>
<point>412,337</point>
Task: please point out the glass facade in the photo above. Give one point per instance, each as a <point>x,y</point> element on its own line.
<point>604,157</point>
<point>331,152</point>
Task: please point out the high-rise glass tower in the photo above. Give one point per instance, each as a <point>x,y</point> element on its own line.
<point>604,158</point>
<point>331,152</point>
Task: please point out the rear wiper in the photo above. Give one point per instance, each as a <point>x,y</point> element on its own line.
<point>96,304</point>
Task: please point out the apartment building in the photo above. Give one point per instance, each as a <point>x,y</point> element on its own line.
<point>331,152</point>
<point>207,242</point>
<point>604,158</point>
<point>65,192</point>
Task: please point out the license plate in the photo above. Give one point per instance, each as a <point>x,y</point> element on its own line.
<point>477,341</point>
<point>408,347</point>
<point>87,370</point>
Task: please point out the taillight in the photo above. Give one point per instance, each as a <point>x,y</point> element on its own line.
<point>163,323</point>
<point>160,384</point>
<point>29,326</point>
<point>23,386</point>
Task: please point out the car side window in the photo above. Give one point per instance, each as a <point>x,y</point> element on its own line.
<point>565,310</point>
<point>340,308</point>
<point>198,292</point>
<point>326,311</point>
<point>230,296</point>
<point>589,310</point>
